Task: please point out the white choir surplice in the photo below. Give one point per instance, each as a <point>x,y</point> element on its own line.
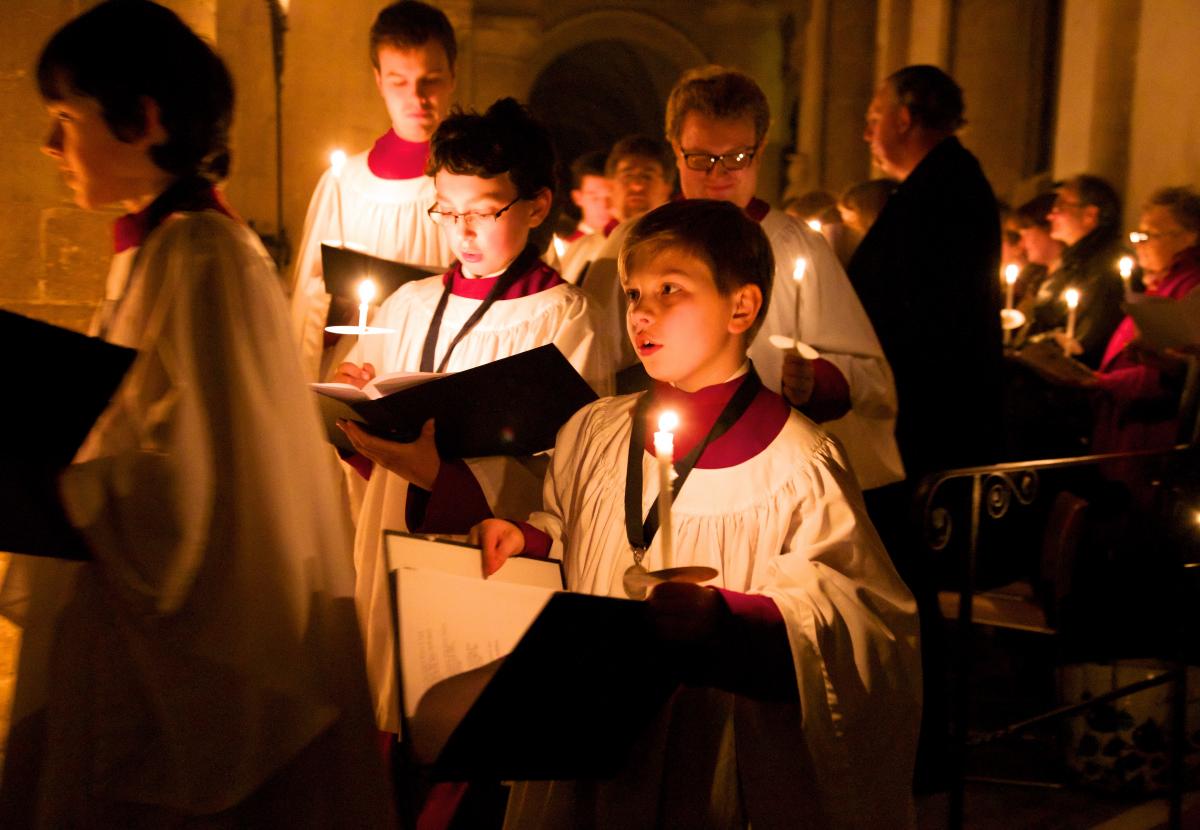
<point>512,486</point>
<point>208,657</point>
<point>580,253</point>
<point>788,523</point>
<point>383,217</point>
<point>602,284</point>
<point>832,321</point>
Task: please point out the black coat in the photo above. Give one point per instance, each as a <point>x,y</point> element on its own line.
<point>928,276</point>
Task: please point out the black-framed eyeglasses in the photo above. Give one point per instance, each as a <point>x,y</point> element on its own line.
<point>738,160</point>
<point>448,218</point>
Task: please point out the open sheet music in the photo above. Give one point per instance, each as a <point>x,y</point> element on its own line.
<point>449,618</point>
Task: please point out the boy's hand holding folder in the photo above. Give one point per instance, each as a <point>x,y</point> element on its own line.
<point>513,406</point>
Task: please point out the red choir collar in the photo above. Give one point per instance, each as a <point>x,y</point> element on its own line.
<point>131,230</point>
<point>394,158</point>
<point>698,411</point>
<point>577,234</point>
<point>541,277</point>
<point>610,226</point>
<point>757,209</point>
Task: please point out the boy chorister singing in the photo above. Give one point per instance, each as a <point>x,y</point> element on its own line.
<point>493,174</point>
<point>378,203</point>
<point>801,701</point>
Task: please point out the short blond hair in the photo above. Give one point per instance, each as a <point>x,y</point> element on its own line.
<point>720,93</point>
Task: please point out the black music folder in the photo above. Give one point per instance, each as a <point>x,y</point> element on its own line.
<point>86,373</point>
<point>513,406</point>
<point>569,702</point>
<point>344,268</point>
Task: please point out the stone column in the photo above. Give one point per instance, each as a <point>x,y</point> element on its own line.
<point>1095,87</point>
<point>1164,141</point>
<point>931,23</point>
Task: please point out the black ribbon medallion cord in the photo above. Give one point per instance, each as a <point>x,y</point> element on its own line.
<point>641,533</point>
<point>516,269</point>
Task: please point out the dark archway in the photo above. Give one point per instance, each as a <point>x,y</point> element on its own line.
<point>595,93</point>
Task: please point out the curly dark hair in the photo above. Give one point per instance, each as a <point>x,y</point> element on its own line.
<point>504,139</point>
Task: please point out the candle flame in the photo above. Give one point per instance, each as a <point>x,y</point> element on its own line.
<point>366,291</point>
<point>1126,266</point>
<point>1072,297</point>
<point>337,161</point>
<point>1011,272</point>
<point>668,421</point>
<point>815,224</point>
<point>798,271</point>
<point>560,247</point>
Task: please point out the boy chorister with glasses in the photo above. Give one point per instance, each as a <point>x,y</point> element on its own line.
<point>493,174</point>
<point>799,662</point>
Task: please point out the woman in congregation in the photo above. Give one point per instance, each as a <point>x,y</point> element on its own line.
<point>204,667</point>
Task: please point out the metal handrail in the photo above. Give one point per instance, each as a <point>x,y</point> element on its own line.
<point>1012,477</point>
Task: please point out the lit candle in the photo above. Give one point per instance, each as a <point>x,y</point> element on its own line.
<point>366,293</point>
<point>560,247</point>
<point>664,451</point>
<point>1011,272</point>
<point>337,161</point>
<point>1126,266</point>
<point>1072,298</point>
<point>815,224</point>
<point>798,276</point>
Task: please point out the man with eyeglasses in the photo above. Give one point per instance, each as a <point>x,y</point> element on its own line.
<point>717,122</point>
<point>1086,217</point>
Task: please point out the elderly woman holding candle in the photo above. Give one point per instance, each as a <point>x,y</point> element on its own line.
<point>1136,405</point>
<point>204,667</point>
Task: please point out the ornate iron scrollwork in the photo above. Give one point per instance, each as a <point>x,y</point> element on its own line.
<point>1001,488</point>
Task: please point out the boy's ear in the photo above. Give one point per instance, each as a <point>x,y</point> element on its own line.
<point>747,303</point>
<point>153,132</point>
<point>539,207</point>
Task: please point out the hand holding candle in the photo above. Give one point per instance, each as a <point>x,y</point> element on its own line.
<point>337,161</point>
<point>664,452</point>
<point>1072,297</point>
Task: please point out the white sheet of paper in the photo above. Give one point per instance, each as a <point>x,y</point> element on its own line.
<point>452,620</point>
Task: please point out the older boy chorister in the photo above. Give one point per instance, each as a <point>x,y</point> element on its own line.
<point>378,203</point>
<point>804,708</point>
